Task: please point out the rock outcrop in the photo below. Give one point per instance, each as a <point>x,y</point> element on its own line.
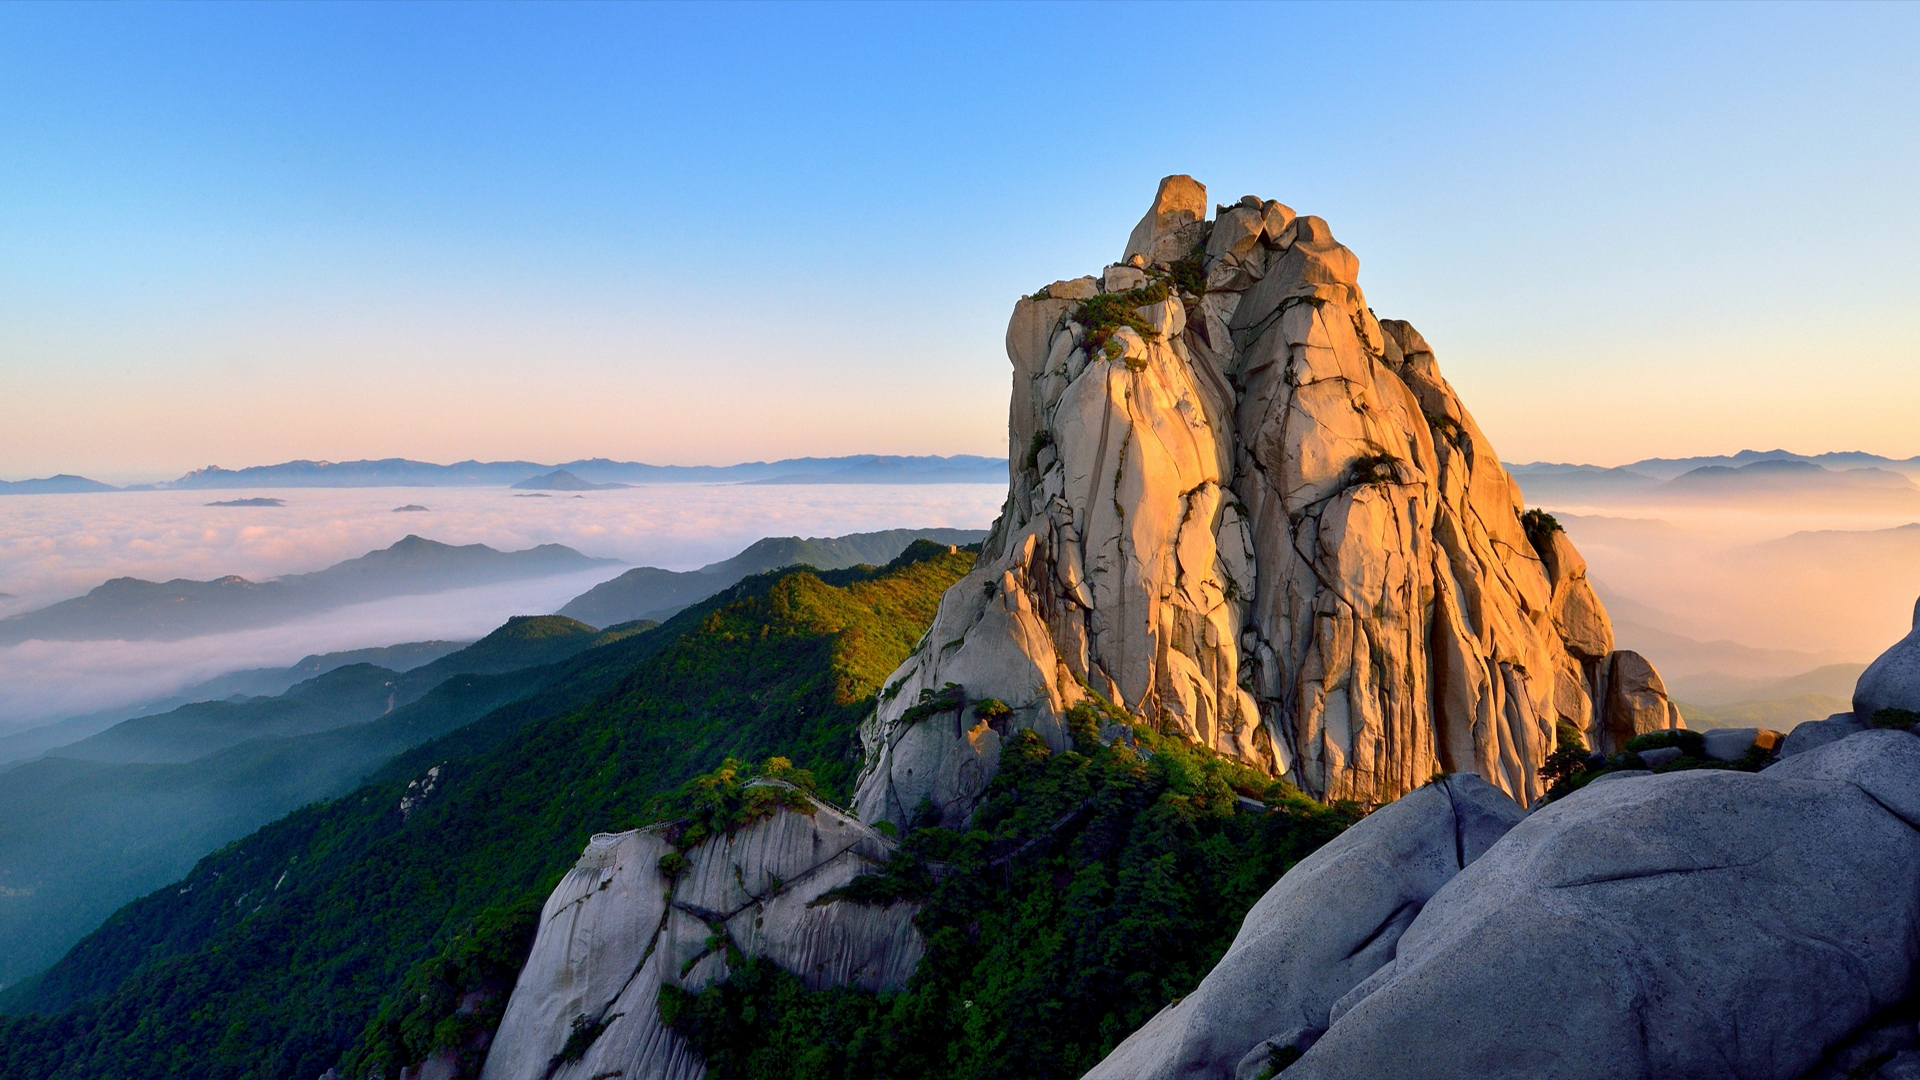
<point>618,928</point>
<point>1705,923</point>
<point>1695,924</point>
<point>1892,681</point>
<point>1331,922</point>
<point>1244,508</point>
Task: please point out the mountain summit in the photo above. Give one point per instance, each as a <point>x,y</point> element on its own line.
<point>1246,509</point>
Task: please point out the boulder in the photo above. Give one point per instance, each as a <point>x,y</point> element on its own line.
<point>1811,734</point>
<point>1328,924</point>
<point>1276,224</point>
<point>1236,234</point>
<point>1732,744</point>
<point>1080,288</point>
<point>1173,224</point>
<point>1636,702</point>
<point>1698,924</point>
<point>1122,279</point>
<point>616,929</point>
<point>1893,679</point>
<point>1617,775</point>
<point>1653,759</point>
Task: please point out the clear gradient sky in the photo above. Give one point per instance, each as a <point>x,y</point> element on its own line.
<point>239,234</point>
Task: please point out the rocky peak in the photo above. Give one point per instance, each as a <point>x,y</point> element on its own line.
<point>1174,222</point>
<point>1245,509</point>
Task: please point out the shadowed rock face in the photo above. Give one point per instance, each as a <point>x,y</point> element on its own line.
<point>1260,516</point>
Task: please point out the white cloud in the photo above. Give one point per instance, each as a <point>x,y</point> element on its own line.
<point>57,546</point>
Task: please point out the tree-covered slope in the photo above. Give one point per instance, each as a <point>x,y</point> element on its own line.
<point>80,836</point>
<point>1091,888</point>
<point>652,593</point>
<point>348,933</point>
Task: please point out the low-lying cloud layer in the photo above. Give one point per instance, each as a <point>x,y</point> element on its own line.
<point>57,546</point>
<point>1824,585</point>
<point>1795,585</point>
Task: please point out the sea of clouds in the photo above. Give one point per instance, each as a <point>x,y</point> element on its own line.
<point>53,547</point>
<point>1821,585</point>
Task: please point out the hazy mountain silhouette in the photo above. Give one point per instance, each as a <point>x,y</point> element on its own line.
<point>133,609</point>
<point>648,592</point>
<point>62,484</point>
<point>562,480</point>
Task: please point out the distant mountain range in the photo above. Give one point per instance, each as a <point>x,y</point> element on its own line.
<point>1668,468</point>
<point>1560,478</point>
<point>1748,475</point>
<point>648,592</point>
<point>62,484</point>
<point>401,472</point>
<point>133,609</point>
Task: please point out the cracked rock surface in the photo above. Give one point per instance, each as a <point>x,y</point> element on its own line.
<point>615,930</point>
<point>1706,925</point>
<point>1698,924</point>
<point>1255,514</point>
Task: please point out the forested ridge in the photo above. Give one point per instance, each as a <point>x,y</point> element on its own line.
<point>365,933</point>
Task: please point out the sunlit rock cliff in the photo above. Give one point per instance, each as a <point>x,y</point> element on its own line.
<point>1244,508</point>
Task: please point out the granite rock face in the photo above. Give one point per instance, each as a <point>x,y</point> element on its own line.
<point>617,929</point>
<point>1893,679</point>
<point>1331,922</point>
<point>1256,514</point>
<point>1698,924</point>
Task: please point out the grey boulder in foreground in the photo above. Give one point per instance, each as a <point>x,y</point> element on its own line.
<point>1698,924</point>
<point>1328,924</point>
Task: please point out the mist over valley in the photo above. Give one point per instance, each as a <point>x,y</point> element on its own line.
<point>54,548</point>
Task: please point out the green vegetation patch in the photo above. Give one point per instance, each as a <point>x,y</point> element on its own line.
<point>1570,768</point>
<point>1897,719</point>
<point>1093,887</point>
<point>949,698</point>
<point>728,799</point>
<point>1108,312</point>
<point>1376,469</point>
<point>1540,527</point>
<point>1189,275</point>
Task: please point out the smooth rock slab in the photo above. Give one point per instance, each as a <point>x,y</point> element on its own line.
<point>1706,924</point>
<point>1326,925</point>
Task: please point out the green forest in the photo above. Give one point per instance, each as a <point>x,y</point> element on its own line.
<point>1092,887</point>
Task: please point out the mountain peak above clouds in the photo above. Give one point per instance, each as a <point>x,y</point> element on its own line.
<point>1246,509</point>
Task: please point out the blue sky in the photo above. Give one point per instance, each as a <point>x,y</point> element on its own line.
<point>235,234</point>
